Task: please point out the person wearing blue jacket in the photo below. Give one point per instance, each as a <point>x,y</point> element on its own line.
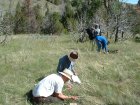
<point>102,43</point>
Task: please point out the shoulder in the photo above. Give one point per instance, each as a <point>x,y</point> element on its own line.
<point>59,80</point>
<point>64,57</point>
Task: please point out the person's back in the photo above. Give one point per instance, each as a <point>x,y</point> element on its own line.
<point>67,61</point>
<point>102,43</point>
<point>48,86</point>
<point>102,39</point>
<point>49,89</point>
<point>64,62</point>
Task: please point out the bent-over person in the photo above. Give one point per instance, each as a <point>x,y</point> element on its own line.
<point>49,89</point>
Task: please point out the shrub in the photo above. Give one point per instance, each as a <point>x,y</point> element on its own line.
<point>52,24</point>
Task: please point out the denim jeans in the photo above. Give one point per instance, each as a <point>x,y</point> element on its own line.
<point>102,46</point>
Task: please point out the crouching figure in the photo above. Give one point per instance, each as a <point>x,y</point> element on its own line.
<point>49,89</point>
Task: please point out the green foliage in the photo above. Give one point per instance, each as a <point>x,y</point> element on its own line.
<point>53,24</point>
<point>136,28</point>
<point>47,12</point>
<point>56,2</point>
<point>7,24</point>
<point>69,12</point>
<point>27,19</point>
<point>38,17</point>
<point>137,38</point>
<point>20,20</point>
<point>56,25</point>
<point>72,23</point>
<point>68,19</point>
<point>86,8</point>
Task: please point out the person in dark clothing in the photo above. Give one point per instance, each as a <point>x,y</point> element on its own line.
<point>67,61</point>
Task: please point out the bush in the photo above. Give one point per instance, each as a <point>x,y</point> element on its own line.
<point>56,2</point>
<point>52,24</point>
<point>137,38</point>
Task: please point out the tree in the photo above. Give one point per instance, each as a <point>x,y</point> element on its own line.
<point>20,20</point>
<point>68,17</point>
<point>28,18</point>
<point>139,3</point>
<point>52,24</point>
<point>118,17</point>
<point>6,23</point>
<point>38,17</point>
<point>85,11</point>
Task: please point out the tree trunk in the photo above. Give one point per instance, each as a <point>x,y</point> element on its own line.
<point>116,34</point>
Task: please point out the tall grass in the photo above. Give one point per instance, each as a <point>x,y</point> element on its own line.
<point>107,79</point>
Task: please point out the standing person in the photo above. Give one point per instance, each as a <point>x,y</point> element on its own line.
<point>68,61</point>
<point>97,30</point>
<point>49,89</point>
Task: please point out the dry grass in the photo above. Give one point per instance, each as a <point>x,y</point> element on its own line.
<point>111,79</point>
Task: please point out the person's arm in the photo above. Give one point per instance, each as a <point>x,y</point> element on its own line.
<point>74,72</point>
<point>64,97</point>
<point>72,68</point>
<point>60,66</point>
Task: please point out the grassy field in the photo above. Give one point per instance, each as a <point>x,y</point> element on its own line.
<point>107,79</point>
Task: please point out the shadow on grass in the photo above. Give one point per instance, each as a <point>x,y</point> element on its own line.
<point>113,51</point>
<point>29,97</point>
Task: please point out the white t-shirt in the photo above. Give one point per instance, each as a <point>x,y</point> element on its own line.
<point>98,31</point>
<point>71,67</point>
<point>49,85</point>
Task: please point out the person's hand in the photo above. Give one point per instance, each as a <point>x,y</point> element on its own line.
<point>74,97</point>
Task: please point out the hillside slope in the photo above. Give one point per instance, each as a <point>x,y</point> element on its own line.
<point>107,79</point>
<point>4,6</point>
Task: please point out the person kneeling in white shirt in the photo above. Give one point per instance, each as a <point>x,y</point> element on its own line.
<point>49,89</point>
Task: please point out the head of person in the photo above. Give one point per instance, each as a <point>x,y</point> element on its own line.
<point>96,26</point>
<point>66,75</point>
<point>73,56</point>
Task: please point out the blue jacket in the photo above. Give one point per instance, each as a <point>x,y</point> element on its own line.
<point>101,42</point>
<point>102,39</point>
<point>64,62</point>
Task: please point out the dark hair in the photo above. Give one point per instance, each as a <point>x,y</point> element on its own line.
<point>74,54</point>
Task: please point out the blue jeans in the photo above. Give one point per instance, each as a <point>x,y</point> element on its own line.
<point>102,46</point>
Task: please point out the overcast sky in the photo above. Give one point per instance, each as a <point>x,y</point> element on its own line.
<point>130,1</point>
